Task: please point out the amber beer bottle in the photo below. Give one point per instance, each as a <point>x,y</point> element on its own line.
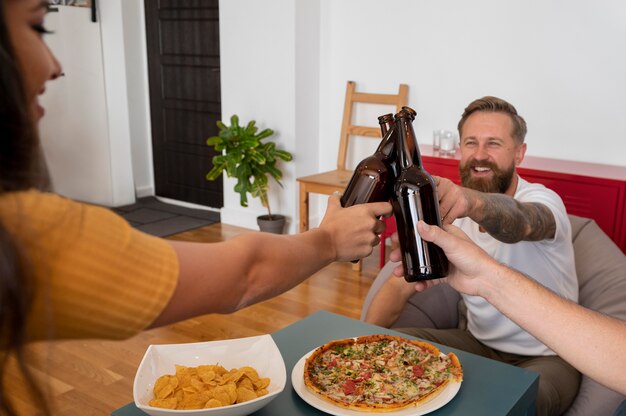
<point>374,176</point>
<point>415,198</point>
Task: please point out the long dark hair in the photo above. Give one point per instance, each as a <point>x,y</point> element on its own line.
<point>20,168</point>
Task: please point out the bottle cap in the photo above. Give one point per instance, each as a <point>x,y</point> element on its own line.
<point>407,112</point>
<point>385,117</point>
<point>410,111</point>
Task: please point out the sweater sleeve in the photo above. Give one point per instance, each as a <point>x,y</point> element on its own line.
<point>95,275</point>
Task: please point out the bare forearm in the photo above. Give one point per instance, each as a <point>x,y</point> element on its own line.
<point>224,277</point>
<point>283,262</point>
<point>389,301</point>
<point>591,342</point>
<point>510,221</point>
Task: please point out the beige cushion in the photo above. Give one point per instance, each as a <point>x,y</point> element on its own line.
<point>601,269</point>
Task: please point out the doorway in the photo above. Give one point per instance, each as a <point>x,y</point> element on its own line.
<point>185,98</point>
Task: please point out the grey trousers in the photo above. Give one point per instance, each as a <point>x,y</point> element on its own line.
<point>558,381</point>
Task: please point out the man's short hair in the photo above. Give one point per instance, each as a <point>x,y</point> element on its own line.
<point>497,105</point>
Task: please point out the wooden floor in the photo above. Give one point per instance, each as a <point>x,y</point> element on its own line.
<point>96,377</point>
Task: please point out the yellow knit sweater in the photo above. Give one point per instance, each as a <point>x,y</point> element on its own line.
<point>95,275</point>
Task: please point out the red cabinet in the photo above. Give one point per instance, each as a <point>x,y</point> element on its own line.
<point>589,190</point>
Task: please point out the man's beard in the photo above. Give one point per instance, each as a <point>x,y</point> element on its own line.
<point>498,183</point>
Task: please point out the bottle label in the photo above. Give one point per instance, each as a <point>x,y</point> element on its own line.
<point>361,191</point>
<point>416,211</point>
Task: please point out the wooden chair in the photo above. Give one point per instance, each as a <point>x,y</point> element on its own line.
<point>336,180</point>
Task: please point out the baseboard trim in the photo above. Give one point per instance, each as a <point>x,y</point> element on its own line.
<point>186,204</point>
<point>246,218</point>
<point>144,191</point>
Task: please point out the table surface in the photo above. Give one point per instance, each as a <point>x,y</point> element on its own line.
<point>489,387</point>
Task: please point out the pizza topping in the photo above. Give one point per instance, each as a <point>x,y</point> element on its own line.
<point>349,387</point>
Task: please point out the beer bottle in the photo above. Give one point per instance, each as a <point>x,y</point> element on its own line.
<point>374,176</point>
<point>415,198</point>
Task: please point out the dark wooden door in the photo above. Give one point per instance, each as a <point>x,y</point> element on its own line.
<point>184,75</point>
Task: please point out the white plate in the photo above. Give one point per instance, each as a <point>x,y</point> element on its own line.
<point>259,352</point>
<point>297,379</point>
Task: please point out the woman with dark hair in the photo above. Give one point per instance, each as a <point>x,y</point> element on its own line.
<point>19,170</point>
<point>71,270</point>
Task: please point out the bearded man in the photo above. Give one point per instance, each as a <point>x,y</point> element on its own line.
<point>521,224</point>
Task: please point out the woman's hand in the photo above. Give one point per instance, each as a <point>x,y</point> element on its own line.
<point>355,230</point>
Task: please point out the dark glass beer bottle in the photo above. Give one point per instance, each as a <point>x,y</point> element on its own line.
<point>415,198</point>
<point>374,176</point>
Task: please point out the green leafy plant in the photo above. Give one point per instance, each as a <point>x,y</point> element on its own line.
<point>245,157</point>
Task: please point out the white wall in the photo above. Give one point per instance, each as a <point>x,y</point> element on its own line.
<point>258,70</point>
<point>114,60</point>
<point>307,73</point>
<point>285,64</point>
<point>136,57</point>
<point>561,63</point>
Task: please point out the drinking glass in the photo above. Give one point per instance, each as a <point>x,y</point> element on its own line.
<point>447,143</point>
<point>436,139</point>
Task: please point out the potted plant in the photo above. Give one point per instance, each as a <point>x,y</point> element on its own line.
<point>246,157</point>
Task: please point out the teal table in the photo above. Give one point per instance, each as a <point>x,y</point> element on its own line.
<point>489,387</point>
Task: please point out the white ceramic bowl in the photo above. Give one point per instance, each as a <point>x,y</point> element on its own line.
<point>259,352</point>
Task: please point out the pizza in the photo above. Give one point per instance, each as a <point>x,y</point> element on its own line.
<point>379,373</point>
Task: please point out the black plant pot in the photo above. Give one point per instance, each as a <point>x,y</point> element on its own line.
<point>275,225</point>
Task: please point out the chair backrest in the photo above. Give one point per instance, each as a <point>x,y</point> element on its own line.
<point>348,129</point>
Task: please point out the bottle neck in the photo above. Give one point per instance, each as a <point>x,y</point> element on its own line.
<point>386,123</point>
<point>387,144</point>
<point>407,149</point>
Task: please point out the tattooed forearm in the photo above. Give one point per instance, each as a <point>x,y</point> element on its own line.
<point>541,222</point>
<point>510,221</point>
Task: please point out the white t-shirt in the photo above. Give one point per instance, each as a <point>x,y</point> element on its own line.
<point>550,262</point>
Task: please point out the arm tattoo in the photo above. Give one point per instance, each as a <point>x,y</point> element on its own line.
<point>511,221</point>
